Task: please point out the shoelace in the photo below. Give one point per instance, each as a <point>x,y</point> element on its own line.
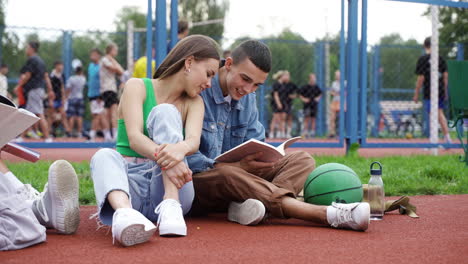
<point>165,204</point>
<point>27,192</point>
<point>343,214</point>
<point>40,206</point>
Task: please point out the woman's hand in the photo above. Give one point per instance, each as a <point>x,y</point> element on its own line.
<point>169,155</point>
<point>179,174</point>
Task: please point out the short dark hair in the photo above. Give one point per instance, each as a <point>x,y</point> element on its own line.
<point>98,51</point>
<point>3,65</point>
<point>110,46</point>
<point>182,26</point>
<point>78,70</point>
<point>59,62</point>
<point>427,43</point>
<point>34,45</point>
<point>257,52</point>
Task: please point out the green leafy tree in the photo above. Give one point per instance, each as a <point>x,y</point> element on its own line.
<point>127,13</point>
<point>203,10</point>
<point>454,30</point>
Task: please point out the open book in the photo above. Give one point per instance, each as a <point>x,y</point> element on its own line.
<point>13,122</point>
<point>270,153</point>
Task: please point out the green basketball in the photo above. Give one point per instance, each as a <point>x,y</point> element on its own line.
<point>332,182</point>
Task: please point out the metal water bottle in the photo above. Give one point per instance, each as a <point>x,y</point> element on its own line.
<point>376,193</point>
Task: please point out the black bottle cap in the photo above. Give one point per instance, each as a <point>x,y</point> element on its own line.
<point>375,172</point>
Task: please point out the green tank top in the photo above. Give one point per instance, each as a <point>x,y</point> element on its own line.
<point>123,145</point>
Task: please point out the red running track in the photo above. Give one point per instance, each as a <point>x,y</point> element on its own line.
<point>439,236</point>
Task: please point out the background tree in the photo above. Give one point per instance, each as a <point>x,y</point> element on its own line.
<point>454,30</point>
<point>203,10</point>
<point>124,15</point>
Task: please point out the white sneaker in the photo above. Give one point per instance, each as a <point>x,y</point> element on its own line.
<point>49,140</point>
<point>27,192</point>
<point>250,212</point>
<point>58,206</point>
<point>354,216</point>
<point>170,218</point>
<point>130,227</point>
<point>18,140</point>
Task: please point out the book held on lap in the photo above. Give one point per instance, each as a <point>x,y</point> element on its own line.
<point>252,146</point>
<point>13,122</point>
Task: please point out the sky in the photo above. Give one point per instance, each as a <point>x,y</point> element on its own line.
<point>253,18</point>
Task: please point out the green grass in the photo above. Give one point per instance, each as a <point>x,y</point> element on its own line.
<point>413,175</point>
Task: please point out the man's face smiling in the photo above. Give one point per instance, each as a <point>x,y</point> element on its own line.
<point>243,78</point>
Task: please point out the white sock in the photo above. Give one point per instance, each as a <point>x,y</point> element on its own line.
<point>92,134</point>
<point>11,178</point>
<point>331,214</point>
<point>114,132</point>
<point>107,134</point>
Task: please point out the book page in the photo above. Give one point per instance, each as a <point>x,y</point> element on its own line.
<point>282,148</point>
<point>14,122</point>
<point>270,153</point>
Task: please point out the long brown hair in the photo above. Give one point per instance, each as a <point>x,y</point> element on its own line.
<point>198,46</point>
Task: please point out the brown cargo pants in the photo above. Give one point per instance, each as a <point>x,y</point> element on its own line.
<point>216,188</point>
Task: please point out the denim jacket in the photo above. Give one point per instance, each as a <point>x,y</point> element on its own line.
<point>225,125</point>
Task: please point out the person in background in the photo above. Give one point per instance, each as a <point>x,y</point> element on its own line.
<point>310,95</point>
<point>277,120</point>
<point>74,93</point>
<point>4,81</point>
<point>96,104</point>
<point>56,110</point>
<point>139,69</point>
<point>423,71</point>
<point>291,93</point>
<point>182,32</point>
<point>33,80</point>
<point>109,69</point>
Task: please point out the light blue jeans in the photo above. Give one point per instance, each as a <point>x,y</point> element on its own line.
<point>144,185</point>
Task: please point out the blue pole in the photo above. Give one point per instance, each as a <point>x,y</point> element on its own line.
<point>352,107</point>
<point>149,38</point>
<point>67,54</point>
<point>363,69</point>
<point>342,72</point>
<point>174,22</point>
<point>161,34</point>
<point>460,51</point>
<point>375,93</point>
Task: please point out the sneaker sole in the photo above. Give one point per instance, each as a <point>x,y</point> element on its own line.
<point>173,230</point>
<point>135,234</point>
<point>250,212</point>
<point>63,184</point>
